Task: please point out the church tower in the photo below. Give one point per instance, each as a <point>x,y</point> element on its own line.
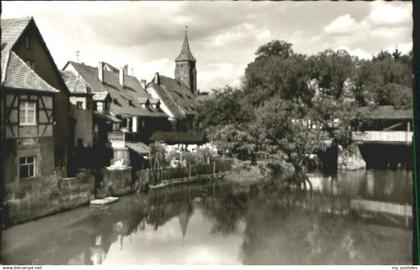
<point>185,70</point>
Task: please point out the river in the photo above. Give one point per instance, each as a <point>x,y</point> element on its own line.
<point>353,218</point>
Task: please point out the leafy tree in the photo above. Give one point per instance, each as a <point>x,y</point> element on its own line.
<point>331,69</point>
<point>156,158</point>
<point>275,48</point>
<point>382,80</point>
<point>235,142</point>
<point>225,108</point>
<point>280,75</point>
<point>287,126</point>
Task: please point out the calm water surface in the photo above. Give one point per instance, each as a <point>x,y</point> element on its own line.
<point>354,218</point>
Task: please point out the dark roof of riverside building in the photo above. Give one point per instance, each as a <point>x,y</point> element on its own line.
<point>386,112</point>
<point>176,137</point>
<point>126,99</point>
<point>175,95</point>
<point>15,72</point>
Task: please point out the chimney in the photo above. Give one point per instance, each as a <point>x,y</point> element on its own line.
<point>143,84</point>
<point>122,73</point>
<point>156,79</point>
<point>101,71</point>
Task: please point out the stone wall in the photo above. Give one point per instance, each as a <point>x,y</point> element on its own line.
<point>36,197</point>
<point>350,158</point>
<point>115,182</point>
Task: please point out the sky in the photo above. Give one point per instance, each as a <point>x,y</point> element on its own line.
<point>224,36</point>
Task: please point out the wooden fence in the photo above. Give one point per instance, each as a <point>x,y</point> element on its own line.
<point>156,177</point>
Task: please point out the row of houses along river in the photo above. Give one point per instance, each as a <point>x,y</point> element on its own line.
<point>82,133</point>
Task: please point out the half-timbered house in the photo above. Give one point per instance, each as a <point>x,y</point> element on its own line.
<point>21,39</point>
<point>27,111</point>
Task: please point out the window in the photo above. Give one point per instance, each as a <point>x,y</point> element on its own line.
<point>27,166</point>
<point>27,114</point>
<point>27,43</point>
<point>30,63</point>
<point>99,107</point>
<point>79,104</point>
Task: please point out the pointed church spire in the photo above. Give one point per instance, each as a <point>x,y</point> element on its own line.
<point>185,54</point>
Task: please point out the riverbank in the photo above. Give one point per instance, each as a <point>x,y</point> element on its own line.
<point>243,172</point>
<point>169,226</point>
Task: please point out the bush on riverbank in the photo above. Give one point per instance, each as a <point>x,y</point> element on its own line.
<point>246,172</point>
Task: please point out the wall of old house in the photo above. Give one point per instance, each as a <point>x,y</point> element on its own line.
<point>44,66</point>
<point>83,129</point>
<point>36,197</point>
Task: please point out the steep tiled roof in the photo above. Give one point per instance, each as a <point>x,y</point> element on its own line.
<point>386,112</point>
<point>11,29</point>
<point>75,83</point>
<point>185,54</point>
<point>15,73</point>
<point>124,99</point>
<point>20,75</point>
<point>176,96</point>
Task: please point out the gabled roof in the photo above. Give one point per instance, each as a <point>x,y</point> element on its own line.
<point>15,73</point>
<point>176,96</point>
<point>20,76</point>
<point>11,29</point>
<point>75,83</point>
<point>124,99</point>
<point>185,54</point>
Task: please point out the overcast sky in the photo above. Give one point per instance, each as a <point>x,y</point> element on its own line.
<point>223,35</point>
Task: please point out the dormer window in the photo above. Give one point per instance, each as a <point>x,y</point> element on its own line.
<point>100,107</point>
<point>30,63</point>
<point>27,43</point>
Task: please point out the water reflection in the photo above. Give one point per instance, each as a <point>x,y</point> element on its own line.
<point>345,220</point>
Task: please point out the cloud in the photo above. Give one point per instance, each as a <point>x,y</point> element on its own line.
<point>238,34</point>
<point>387,14</point>
<point>223,35</point>
<point>146,70</point>
<point>342,25</point>
<point>218,75</point>
<point>386,23</point>
<point>361,54</point>
<point>404,48</point>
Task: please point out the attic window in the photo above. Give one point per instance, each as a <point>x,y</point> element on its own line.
<point>30,63</point>
<point>130,102</point>
<point>116,102</point>
<point>27,43</point>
